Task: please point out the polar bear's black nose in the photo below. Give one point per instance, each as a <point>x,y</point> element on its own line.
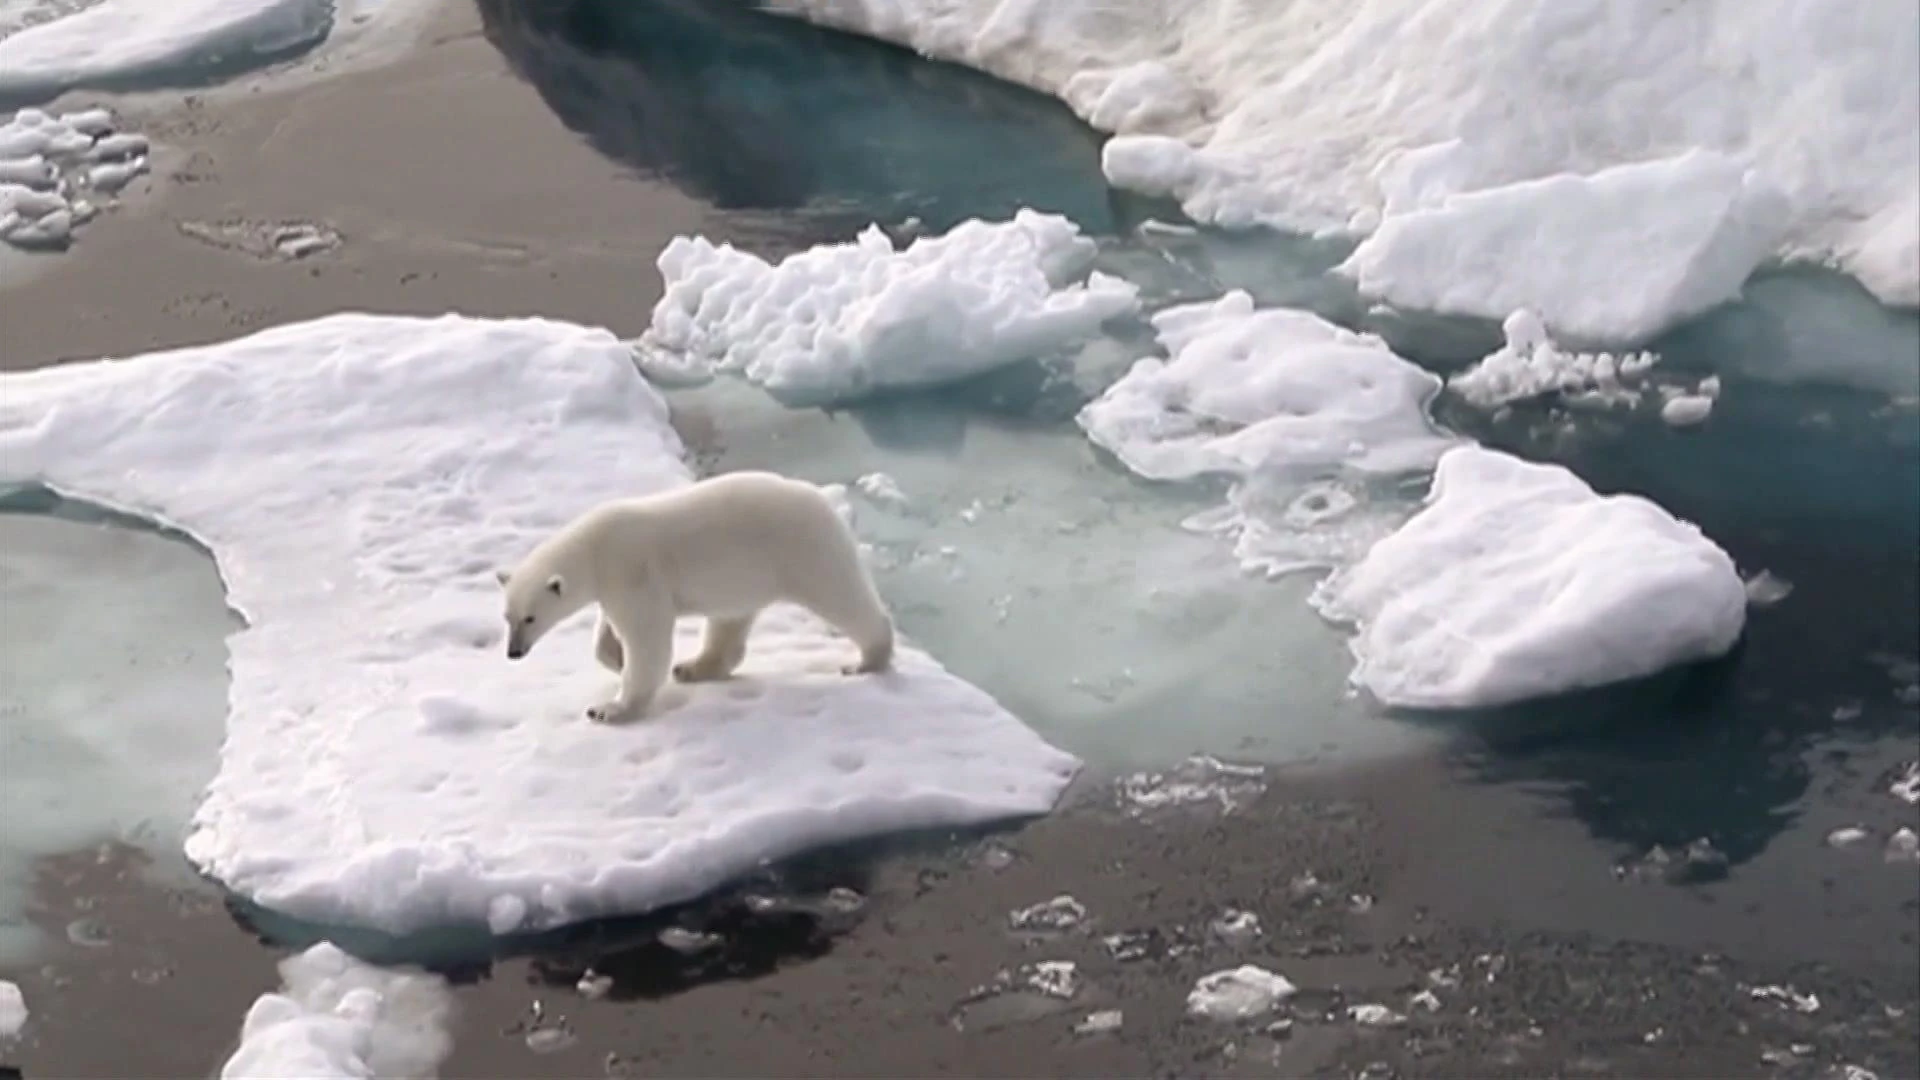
<point>515,652</point>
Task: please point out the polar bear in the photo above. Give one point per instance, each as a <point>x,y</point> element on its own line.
<point>723,548</point>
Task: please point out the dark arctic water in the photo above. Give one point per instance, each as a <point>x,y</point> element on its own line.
<point>1809,468</point>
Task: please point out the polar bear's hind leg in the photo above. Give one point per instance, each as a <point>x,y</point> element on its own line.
<point>725,647</point>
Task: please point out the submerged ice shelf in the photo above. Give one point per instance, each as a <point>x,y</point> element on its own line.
<point>1323,115</point>
<point>358,478</point>
<point>113,680</point>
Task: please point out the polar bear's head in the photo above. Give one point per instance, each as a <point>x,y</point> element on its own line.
<point>535,604</point>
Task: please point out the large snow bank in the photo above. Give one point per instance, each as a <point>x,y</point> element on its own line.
<point>1319,114</point>
<point>1296,411</point>
<point>840,321</point>
<point>336,1017</point>
<point>54,171</point>
<point>357,480</point>
<point>1518,581</point>
<point>1619,255</point>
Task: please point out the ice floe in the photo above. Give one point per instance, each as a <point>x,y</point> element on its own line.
<point>842,321</point>
<point>1517,580</point>
<point>357,480</point>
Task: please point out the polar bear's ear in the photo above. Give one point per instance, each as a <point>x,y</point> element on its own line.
<point>501,576</point>
<point>555,585</point>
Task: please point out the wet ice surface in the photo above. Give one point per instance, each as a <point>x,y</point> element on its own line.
<point>113,689</point>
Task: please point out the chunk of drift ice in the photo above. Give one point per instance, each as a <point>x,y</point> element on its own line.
<point>1617,256</point>
<point>362,571</point>
<point>1530,365</point>
<point>841,321</point>
<point>1516,580</point>
<point>13,1010</point>
<point>1060,913</point>
<point>338,1017</point>
<point>114,41</point>
<point>1238,994</point>
<point>1764,589</point>
<point>1245,391</point>
<point>49,163</point>
<point>1330,115</point>
<point>1296,411</point>
<point>1104,1022</point>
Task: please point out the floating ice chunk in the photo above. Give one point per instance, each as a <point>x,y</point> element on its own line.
<point>1517,581</point>
<point>1686,410</point>
<point>1617,256</point>
<point>1847,836</point>
<point>42,159</point>
<point>1374,1016</point>
<point>1299,412</point>
<point>1104,1022</point>
<point>841,321</point>
<point>1062,912</point>
<point>1765,589</point>
<point>356,479</point>
<point>1238,993</point>
<point>338,1017</point>
<point>1149,164</point>
<point>1530,365</point>
<point>1905,785</point>
<point>1244,391</point>
<point>1903,846</point>
<point>1786,997</point>
<point>117,41</point>
<point>1236,928</point>
<point>13,1010</point>
<point>881,488</point>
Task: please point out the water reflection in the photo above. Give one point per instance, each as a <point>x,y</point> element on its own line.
<point>753,112</point>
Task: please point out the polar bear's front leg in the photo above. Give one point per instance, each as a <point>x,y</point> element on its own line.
<point>645,629</point>
<point>607,648</point>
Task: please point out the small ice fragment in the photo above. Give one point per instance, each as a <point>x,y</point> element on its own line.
<point>843,901</point>
<point>1238,993</point>
<point>1238,929</point>
<point>1848,710</point>
<point>1846,836</point>
<point>1054,978</point>
<point>687,942</point>
<point>1906,783</point>
<point>13,1010</point>
<point>1426,999</point>
<point>505,913</point>
<point>93,123</point>
<point>124,145</point>
<point>1100,1023</point>
<point>594,985</point>
<point>1786,996</point>
<point>1128,946</point>
<point>1062,912</point>
<point>1709,387</point>
<point>548,1040</point>
<point>1765,590</point>
<point>1686,410</point>
<point>881,488</point>
<point>1903,846</point>
<point>1374,1016</point>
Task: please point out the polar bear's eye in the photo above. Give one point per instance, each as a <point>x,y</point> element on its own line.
<point>528,621</point>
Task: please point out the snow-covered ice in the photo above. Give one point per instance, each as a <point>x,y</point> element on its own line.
<point>358,479</point>
<point>1328,115</point>
<point>1286,404</point>
<point>13,1010</point>
<point>55,170</point>
<point>49,46</point>
<point>842,321</point>
<point>1530,365</point>
<point>336,1017</point>
<point>1517,580</point>
<point>1615,257</point>
<point>1238,993</point>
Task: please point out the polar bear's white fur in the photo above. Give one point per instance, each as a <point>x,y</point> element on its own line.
<point>723,548</point>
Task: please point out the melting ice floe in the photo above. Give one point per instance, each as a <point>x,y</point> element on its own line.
<point>1294,409</point>
<point>1240,993</point>
<point>357,479</point>
<point>13,1010</point>
<point>1517,580</point>
<point>48,46</point>
<point>841,321</point>
<point>1323,114</point>
<point>1619,255</point>
<point>55,170</point>
<point>337,1017</point>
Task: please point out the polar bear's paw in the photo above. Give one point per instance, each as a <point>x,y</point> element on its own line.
<point>615,712</point>
<point>701,669</point>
